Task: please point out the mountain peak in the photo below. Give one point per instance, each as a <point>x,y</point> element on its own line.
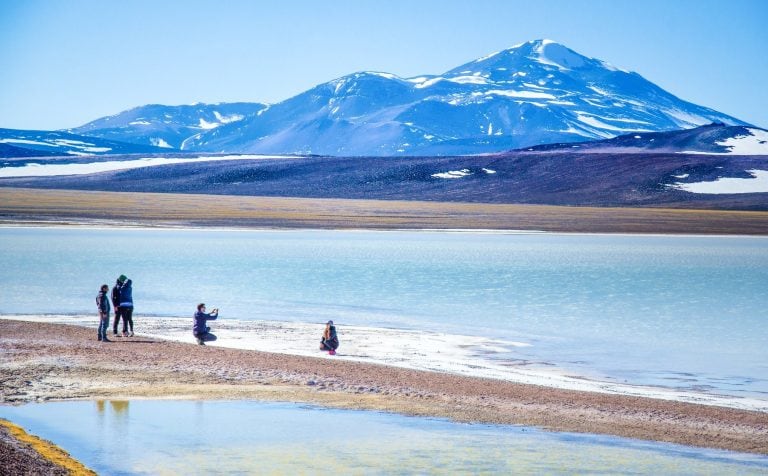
<point>548,52</point>
<point>536,92</point>
<point>543,54</point>
<point>555,54</point>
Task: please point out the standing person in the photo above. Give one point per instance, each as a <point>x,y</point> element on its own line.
<point>199,328</point>
<point>329,341</point>
<point>116,303</point>
<point>102,303</point>
<point>126,306</point>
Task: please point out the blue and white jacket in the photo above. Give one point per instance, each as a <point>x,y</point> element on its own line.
<point>126,294</point>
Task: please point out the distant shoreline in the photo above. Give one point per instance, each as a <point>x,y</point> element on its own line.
<point>48,207</point>
<point>74,366</point>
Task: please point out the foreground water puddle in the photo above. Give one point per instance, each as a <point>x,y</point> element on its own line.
<point>246,437</point>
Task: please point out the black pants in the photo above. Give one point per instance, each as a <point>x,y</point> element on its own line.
<point>329,344</point>
<point>127,318</point>
<point>202,335</point>
<point>118,313</point>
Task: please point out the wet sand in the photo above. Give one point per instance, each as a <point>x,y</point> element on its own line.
<point>40,362</point>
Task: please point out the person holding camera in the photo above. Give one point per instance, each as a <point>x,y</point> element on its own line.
<point>330,340</point>
<point>200,329</point>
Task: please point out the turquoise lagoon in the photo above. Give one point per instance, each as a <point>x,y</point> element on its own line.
<point>685,312</point>
<point>243,437</point>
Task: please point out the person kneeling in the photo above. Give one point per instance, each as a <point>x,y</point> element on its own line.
<point>200,329</point>
<point>329,341</point>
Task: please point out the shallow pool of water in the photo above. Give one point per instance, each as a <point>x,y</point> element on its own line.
<point>245,437</point>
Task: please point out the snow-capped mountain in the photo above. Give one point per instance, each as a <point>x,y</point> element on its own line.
<point>533,93</point>
<point>714,139</point>
<point>24,143</point>
<point>167,126</point>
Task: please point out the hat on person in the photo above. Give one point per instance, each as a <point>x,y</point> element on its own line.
<point>330,322</point>
<point>122,278</point>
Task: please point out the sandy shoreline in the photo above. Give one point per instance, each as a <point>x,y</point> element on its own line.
<point>41,362</point>
<point>471,356</point>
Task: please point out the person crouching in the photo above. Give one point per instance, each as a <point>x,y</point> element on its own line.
<point>329,341</point>
<point>200,329</point>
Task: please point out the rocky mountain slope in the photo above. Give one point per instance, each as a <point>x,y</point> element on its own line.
<point>534,93</point>
<point>26,143</point>
<point>169,127</point>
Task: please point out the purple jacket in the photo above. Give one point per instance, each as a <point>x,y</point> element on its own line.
<point>200,318</point>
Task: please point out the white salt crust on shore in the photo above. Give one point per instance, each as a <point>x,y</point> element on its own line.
<point>420,350</point>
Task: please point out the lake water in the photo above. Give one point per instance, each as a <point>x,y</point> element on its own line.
<point>196,437</point>
<point>676,311</point>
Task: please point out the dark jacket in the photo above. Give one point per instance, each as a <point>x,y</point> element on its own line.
<point>199,326</point>
<point>126,294</point>
<point>333,341</point>
<point>102,302</point>
<point>116,294</point>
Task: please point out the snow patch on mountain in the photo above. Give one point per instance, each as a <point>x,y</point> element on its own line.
<point>203,124</point>
<point>429,82</point>
<point>75,147</point>
<point>25,141</point>
<point>453,174</point>
<point>50,170</point>
<point>159,142</point>
<point>554,54</point>
<point>228,119</point>
<point>593,121</point>
<point>473,79</point>
<point>753,143</point>
<point>758,183</point>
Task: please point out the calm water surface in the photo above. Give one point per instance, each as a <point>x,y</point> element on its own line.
<point>678,311</point>
<point>198,437</point>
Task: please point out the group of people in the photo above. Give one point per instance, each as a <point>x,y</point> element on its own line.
<point>122,301</point>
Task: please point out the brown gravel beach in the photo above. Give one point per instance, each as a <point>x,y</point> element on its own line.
<point>40,362</point>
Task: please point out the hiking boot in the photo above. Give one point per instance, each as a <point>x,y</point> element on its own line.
<point>125,334</point>
<point>131,335</point>
<point>105,340</point>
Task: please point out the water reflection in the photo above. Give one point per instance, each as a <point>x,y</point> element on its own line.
<point>119,407</point>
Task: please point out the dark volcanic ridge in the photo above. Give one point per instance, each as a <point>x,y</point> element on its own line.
<point>552,178</point>
<point>715,138</point>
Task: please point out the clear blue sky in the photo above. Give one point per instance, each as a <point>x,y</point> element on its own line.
<point>64,63</point>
